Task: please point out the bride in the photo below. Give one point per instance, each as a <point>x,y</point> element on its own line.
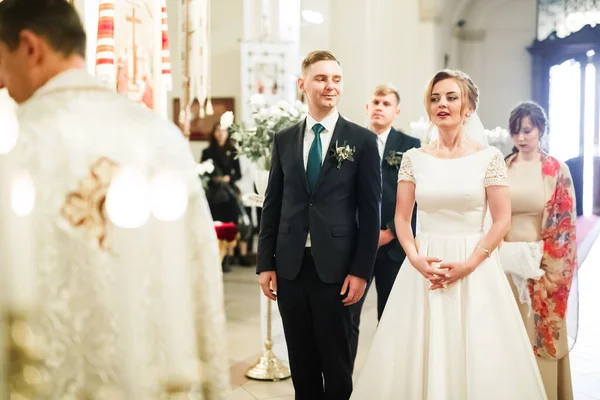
<point>451,329</point>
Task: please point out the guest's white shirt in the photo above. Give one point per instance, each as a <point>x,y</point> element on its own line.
<point>381,141</point>
<point>329,124</point>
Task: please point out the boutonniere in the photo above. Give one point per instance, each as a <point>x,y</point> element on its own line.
<point>394,158</point>
<point>343,153</point>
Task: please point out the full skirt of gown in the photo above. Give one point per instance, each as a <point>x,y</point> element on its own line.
<point>466,342</point>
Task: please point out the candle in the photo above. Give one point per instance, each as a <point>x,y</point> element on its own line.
<point>169,204</point>
<point>128,208</point>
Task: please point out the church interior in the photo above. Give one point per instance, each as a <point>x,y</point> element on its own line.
<point>199,63</point>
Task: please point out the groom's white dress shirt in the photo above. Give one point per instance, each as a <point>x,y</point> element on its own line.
<point>329,124</point>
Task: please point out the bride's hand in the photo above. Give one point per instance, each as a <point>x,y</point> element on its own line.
<point>424,266</point>
<point>456,271</point>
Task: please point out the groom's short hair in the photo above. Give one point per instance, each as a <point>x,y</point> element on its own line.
<point>315,56</point>
<point>385,89</point>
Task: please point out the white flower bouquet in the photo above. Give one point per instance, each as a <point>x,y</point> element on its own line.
<point>255,138</point>
<point>205,170</point>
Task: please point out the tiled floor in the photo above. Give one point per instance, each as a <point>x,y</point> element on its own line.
<point>242,305</point>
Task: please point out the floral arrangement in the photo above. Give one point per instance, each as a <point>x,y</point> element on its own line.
<point>500,138</point>
<point>254,139</point>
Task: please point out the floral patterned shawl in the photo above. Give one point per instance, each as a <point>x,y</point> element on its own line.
<point>550,294</point>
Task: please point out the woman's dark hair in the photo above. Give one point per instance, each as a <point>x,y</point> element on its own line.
<point>213,140</point>
<point>221,153</point>
<point>536,115</point>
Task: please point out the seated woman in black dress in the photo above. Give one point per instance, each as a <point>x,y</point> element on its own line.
<point>222,193</point>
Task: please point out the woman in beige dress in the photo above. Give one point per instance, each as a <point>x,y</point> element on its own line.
<point>539,253</point>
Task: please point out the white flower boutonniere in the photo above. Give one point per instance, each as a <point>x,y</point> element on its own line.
<point>343,153</point>
<point>394,158</point>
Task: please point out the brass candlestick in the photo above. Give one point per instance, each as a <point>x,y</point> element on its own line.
<point>268,367</point>
<point>25,370</point>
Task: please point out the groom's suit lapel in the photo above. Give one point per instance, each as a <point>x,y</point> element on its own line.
<point>339,135</point>
<point>300,155</point>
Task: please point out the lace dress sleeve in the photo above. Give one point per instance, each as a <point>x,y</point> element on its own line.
<point>406,171</point>
<point>495,174</point>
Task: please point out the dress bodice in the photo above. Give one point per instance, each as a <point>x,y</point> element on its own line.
<point>451,192</point>
<point>527,195</point>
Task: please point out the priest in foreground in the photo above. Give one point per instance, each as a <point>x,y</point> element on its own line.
<point>124,313</point>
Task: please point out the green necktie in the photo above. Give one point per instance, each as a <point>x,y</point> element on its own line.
<point>313,166</point>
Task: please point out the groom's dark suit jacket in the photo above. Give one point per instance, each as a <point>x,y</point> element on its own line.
<point>396,142</point>
<point>342,215</point>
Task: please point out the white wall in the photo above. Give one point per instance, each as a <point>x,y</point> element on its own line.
<point>316,37</point>
<point>227,32</point>
<point>380,41</point>
<point>499,63</point>
<point>376,41</point>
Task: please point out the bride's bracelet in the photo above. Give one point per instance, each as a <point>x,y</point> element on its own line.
<point>486,251</point>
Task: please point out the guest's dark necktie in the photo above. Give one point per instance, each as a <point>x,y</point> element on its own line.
<point>313,166</point>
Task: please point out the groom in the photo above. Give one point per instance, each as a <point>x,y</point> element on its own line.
<point>319,232</point>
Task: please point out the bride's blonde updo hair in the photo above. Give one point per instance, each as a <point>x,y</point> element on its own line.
<point>469,91</point>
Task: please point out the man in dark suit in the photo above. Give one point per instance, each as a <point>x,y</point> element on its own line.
<point>383,108</point>
<point>319,232</point>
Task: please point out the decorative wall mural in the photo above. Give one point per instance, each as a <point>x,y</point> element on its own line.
<point>135,44</point>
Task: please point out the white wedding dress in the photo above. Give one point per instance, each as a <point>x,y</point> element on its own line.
<point>466,342</point>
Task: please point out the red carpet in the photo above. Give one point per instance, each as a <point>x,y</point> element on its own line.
<point>588,230</point>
